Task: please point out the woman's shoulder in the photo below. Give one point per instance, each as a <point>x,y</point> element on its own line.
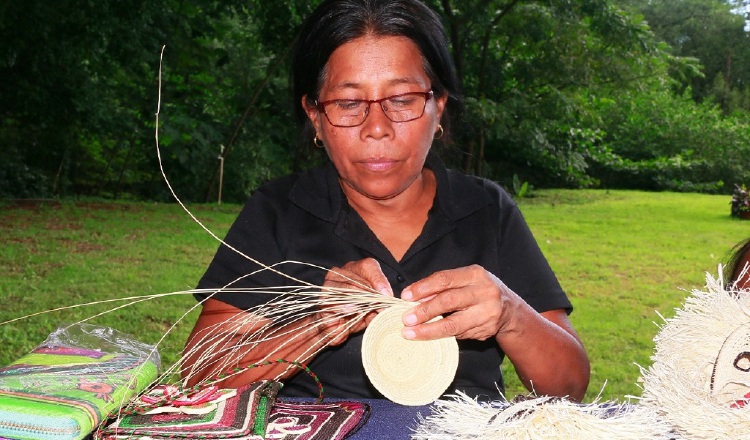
<point>314,191</point>
<point>471,187</point>
<point>283,186</point>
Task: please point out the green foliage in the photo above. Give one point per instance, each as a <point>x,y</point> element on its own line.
<point>613,93</point>
<point>521,189</point>
<point>69,84</point>
<point>525,115</point>
<point>25,181</point>
<point>88,128</point>
<point>708,31</point>
<point>659,141</point>
<point>740,200</point>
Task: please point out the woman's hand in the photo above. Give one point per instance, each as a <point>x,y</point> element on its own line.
<point>476,304</point>
<point>546,351</point>
<point>361,274</point>
<point>226,326</point>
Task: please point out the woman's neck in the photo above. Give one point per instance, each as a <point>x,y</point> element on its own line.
<point>399,220</point>
<point>412,200</point>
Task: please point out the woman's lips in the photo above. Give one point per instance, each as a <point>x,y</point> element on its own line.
<point>378,165</point>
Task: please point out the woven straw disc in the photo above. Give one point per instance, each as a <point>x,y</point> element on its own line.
<point>407,372</point>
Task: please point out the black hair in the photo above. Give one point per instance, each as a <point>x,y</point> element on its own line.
<point>735,263</point>
<point>336,22</point>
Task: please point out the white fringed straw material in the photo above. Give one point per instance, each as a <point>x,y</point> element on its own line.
<point>688,351</point>
<point>539,418</point>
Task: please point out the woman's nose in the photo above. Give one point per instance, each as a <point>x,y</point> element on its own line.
<point>376,123</point>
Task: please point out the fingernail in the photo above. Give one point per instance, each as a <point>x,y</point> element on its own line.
<point>410,319</point>
<point>407,295</point>
<point>385,289</point>
<point>408,333</point>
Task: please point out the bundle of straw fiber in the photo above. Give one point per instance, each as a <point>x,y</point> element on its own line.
<point>405,371</point>
<point>539,418</point>
<point>700,376</point>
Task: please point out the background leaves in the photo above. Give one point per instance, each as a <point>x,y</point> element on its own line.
<point>591,93</point>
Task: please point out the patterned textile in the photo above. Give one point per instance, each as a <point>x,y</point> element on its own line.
<point>284,421</point>
<point>63,393</point>
<point>316,421</point>
<point>244,415</point>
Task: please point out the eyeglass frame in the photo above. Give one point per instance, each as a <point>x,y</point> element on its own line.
<point>320,106</point>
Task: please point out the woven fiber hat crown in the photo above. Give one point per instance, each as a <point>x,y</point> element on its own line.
<point>407,372</point>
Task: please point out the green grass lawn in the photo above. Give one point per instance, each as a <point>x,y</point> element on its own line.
<point>73,253</point>
<point>621,256</point>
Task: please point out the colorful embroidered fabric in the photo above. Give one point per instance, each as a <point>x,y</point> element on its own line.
<point>315,421</point>
<point>244,415</point>
<point>170,398</point>
<point>270,420</point>
<point>63,393</point>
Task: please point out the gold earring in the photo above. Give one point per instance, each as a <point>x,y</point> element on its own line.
<point>439,133</point>
<point>318,143</point>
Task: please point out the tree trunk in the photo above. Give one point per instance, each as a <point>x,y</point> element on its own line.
<point>238,126</point>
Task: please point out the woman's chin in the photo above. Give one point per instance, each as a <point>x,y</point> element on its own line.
<point>377,192</point>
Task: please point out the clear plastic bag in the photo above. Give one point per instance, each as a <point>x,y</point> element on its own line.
<point>68,385</point>
<point>104,339</point>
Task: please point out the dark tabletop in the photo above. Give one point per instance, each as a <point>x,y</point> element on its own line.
<point>390,421</point>
<point>387,420</point>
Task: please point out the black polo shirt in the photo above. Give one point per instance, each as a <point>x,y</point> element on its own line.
<point>305,217</point>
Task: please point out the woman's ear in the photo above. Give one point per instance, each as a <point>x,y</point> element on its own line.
<point>440,102</point>
<point>312,113</point>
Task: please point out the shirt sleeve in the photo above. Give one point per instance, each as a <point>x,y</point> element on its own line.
<point>522,266</point>
<point>241,261</point>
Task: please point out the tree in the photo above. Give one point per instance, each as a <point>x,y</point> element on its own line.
<point>72,88</point>
<point>543,83</point>
<point>79,94</point>
<point>525,66</point>
<point>709,31</point>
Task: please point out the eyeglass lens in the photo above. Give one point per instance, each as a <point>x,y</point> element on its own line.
<point>398,108</point>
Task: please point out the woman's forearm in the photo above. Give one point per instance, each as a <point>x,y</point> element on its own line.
<point>219,345</point>
<point>546,353</point>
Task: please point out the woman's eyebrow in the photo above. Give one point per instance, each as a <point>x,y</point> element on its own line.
<point>345,85</point>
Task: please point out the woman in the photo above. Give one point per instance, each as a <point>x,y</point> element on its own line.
<point>375,85</point>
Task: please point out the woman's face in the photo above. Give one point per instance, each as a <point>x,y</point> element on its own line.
<point>379,159</point>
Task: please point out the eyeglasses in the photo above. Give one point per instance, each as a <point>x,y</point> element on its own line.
<point>353,112</point>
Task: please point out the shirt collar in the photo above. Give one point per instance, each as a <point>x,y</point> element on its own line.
<point>456,196</point>
<point>318,191</point>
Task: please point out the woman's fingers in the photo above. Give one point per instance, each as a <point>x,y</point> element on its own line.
<point>470,299</point>
<point>339,330</point>
<point>364,274</point>
<point>360,274</point>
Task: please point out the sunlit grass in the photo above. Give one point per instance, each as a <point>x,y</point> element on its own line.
<point>55,255</point>
<point>620,255</point>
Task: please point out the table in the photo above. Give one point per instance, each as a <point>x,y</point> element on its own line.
<point>387,421</point>
<point>390,421</point>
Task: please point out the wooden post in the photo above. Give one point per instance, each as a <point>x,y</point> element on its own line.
<point>221,172</point>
